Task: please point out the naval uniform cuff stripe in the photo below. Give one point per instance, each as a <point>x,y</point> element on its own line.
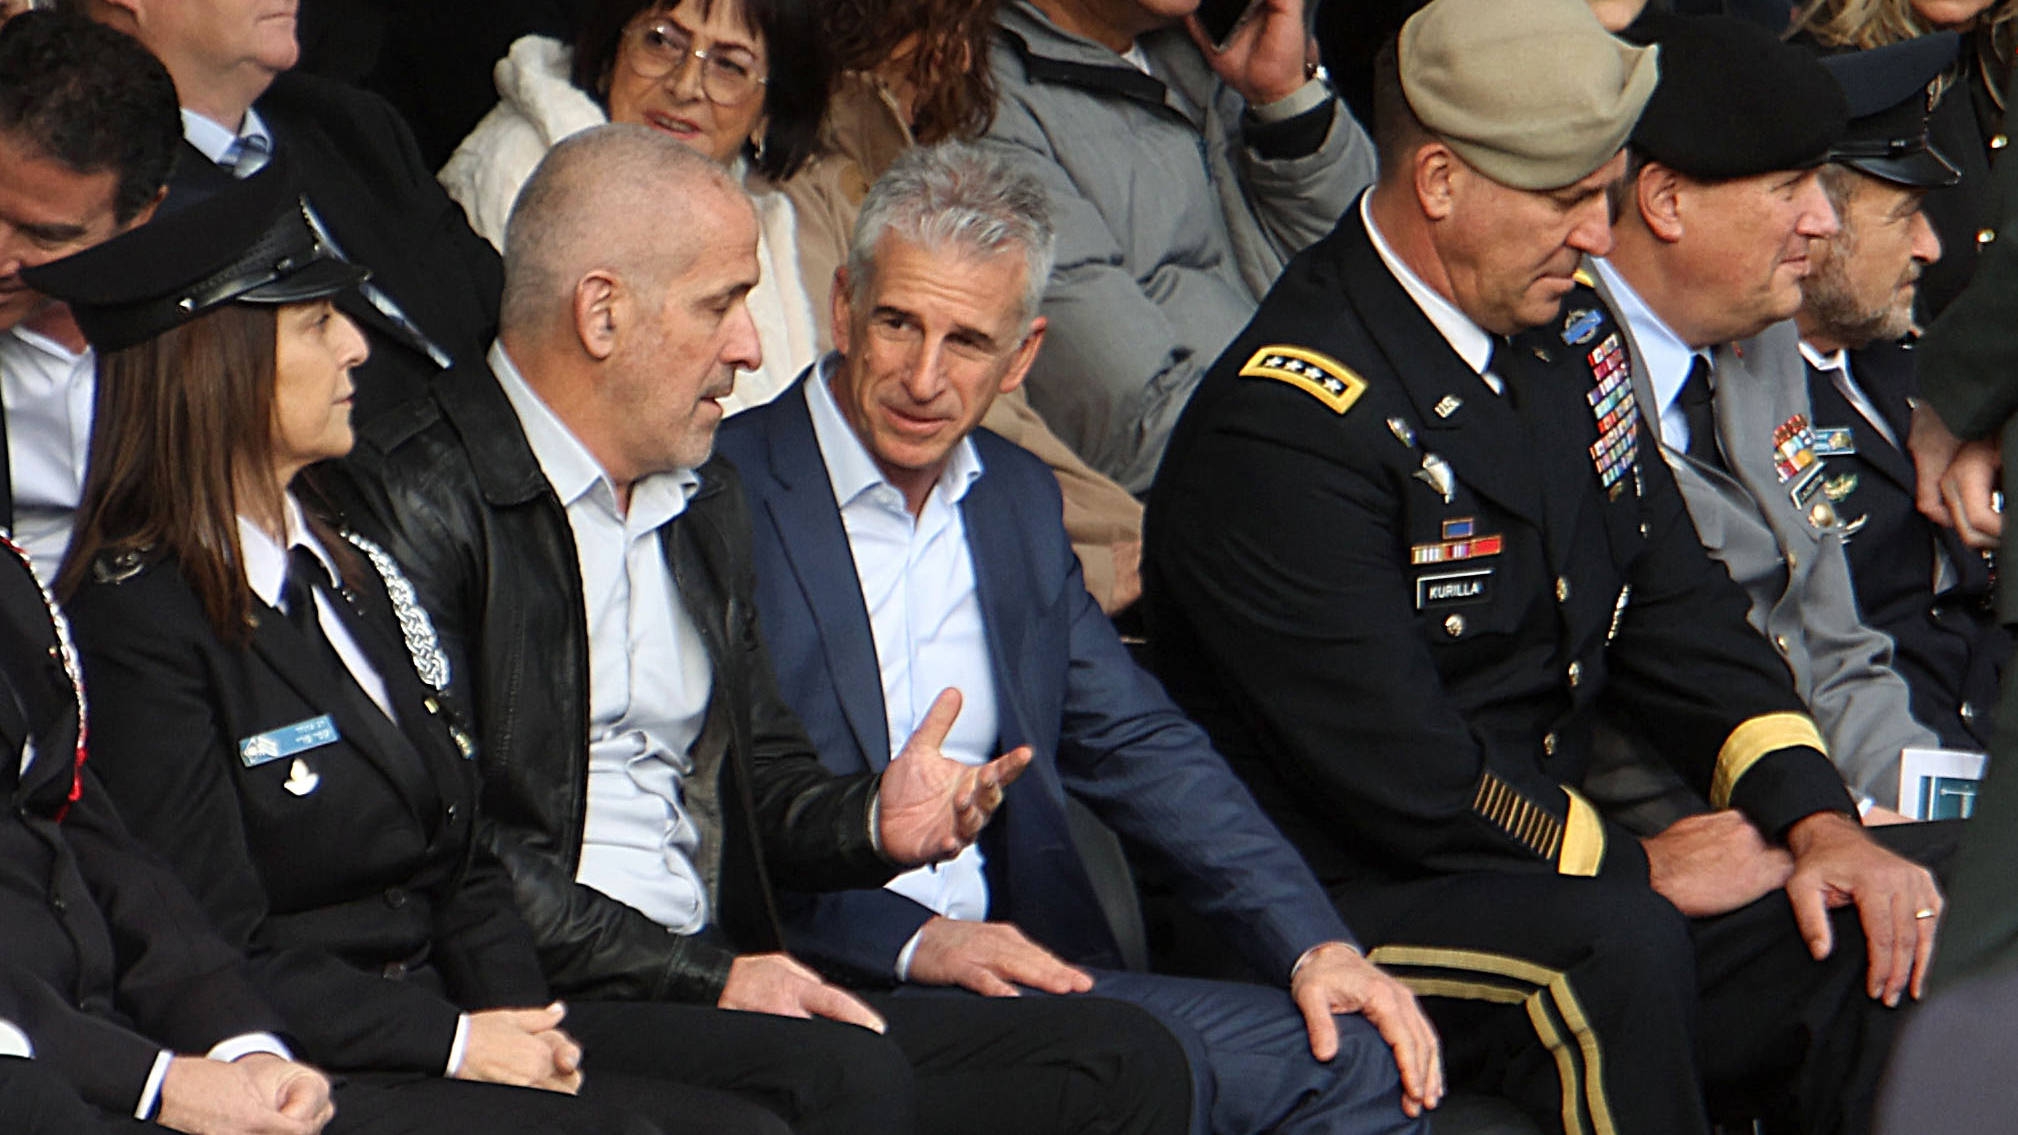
<point>1751,741</point>
<point>1583,838</point>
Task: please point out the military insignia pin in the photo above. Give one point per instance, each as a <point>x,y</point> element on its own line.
<point>1401,431</point>
<point>301,780</point>
<point>1447,405</point>
<point>1580,325</point>
<point>1435,473</point>
<point>1315,373</point>
<point>1837,489</point>
<point>1835,441</point>
<point>1793,448</point>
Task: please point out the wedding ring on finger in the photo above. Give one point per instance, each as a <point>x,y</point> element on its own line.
<point>1924,912</point>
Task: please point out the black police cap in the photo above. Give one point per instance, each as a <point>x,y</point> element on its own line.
<point>1888,89</point>
<point>251,242</point>
<point>1733,100</point>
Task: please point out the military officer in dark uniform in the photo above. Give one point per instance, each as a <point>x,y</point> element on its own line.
<point>109,976</point>
<point>1915,580</point>
<point>1407,539</point>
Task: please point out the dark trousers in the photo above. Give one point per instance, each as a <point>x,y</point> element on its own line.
<point>1251,1065</point>
<point>1596,1006</point>
<point>958,1067</point>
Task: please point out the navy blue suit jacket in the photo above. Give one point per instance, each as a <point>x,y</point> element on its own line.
<point>1102,729</point>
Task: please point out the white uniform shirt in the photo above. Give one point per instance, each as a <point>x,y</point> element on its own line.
<point>649,672</point>
<point>266,571</point>
<point>917,580</point>
<point>1666,358</point>
<point>47,389</point>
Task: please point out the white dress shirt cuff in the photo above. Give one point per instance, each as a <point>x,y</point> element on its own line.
<point>904,955</point>
<point>150,1096</point>
<point>245,1044</point>
<point>459,1047</point>
<point>226,1051</point>
<point>1305,956</point>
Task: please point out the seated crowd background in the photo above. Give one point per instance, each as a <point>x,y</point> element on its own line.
<point>1038,566</point>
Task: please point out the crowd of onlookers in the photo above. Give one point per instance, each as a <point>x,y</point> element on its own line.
<point>1003,565</point>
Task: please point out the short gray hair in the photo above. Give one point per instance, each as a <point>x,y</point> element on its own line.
<point>603,198</point>
<point>957,196</point>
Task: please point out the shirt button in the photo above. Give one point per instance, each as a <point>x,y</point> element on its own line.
<point>1780,641</point>
<point>1548,744</point>
<point>454,813</point>
<point>1644,533</point>
<point>1576,674</point>
<point>1454,625</point>
<point>1999,141</point>
<point>432,705</point>
<point>1968,711</point>
<point>1985,236</point>
<point>1562,589</point>
<point>395,898</point>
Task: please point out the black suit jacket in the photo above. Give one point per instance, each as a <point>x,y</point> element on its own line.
<point>365,176</point>
<point>369,917</point>
<point>105,958</point>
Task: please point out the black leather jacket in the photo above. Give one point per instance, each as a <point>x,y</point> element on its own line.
<point>449,485</point>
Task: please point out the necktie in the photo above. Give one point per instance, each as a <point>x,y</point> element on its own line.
<point>1699,411</point>
<point>248,156</point>
<point>305,575</point>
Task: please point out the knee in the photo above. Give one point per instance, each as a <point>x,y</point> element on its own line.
<point>1138,1055</point>
<point>852,1071</point>
<point>1638,941</point>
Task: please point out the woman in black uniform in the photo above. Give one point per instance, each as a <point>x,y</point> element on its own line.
<point>269,708</point>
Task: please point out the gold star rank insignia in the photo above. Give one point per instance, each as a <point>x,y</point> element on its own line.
<point>1318,375</point>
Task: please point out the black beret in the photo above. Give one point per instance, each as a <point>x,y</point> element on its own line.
<point>251,242</point>
<point>1890,91</point>
<point>1733,100</point>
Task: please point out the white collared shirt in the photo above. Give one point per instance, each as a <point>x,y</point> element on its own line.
<point>917,581</point>
<point>47,389</point>
<point>266,572</point>
<point>220,143</point>
<point>1471,342</point>
<point>1837,365</point>
<point>1666,358</point>
<point>649,672</point>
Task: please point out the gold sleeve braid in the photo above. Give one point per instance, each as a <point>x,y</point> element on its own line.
<point>1751,741</point>
<point>1576,846</point>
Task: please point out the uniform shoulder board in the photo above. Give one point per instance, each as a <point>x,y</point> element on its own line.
<point>1313,372</point>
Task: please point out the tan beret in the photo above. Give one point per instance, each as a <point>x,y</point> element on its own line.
<point>1534,94</point>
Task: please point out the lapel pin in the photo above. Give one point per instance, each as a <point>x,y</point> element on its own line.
<point>1401,432</point>
<point>300,781</point>
<point>1447,406</point>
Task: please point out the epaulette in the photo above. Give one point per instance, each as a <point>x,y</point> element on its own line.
<point>1313,372</point>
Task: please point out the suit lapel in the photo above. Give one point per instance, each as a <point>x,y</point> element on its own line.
<point>1000,573</point>
<point>808,524</point>
<point>358,721</point>
<point>1463,422</point>
<point>1885,377</point>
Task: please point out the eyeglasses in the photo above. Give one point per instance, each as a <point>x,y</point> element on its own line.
<point>663,47</point>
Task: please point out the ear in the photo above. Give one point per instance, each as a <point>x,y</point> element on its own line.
<point>1435,169</point>
<point>1026,354</point>
<point>841,310</point>
<point>146,212</point>
<point>126,15</point>
<point>598,300</point>
<point>1657,194</point>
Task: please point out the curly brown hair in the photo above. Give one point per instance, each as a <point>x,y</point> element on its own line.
<point>948,65</point>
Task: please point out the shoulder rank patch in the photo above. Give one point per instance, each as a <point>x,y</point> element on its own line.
<point>1318,375</point>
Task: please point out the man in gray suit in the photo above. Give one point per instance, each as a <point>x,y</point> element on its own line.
<point>1712,242</point>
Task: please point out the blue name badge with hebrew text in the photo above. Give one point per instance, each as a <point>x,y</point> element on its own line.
<point>288,740</point>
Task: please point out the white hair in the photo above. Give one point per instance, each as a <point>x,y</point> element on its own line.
<point>959,196</point>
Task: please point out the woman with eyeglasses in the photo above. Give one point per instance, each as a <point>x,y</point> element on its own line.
<point>744,82</point>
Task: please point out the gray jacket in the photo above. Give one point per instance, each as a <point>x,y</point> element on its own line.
<point>1793,570</point>
<point>1170,226</point>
